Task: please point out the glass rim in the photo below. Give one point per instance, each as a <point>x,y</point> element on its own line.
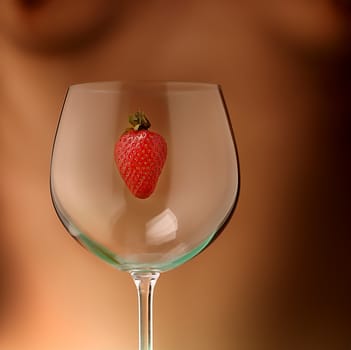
<point>117,85</point>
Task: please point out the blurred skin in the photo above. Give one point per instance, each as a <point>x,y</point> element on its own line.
<point>314,25</point>
<point>278,277</point>
<point>42,25</point>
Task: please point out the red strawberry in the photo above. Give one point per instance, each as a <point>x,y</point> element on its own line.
<point>140,155</point>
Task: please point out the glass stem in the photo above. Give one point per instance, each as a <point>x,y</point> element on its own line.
<point>145,283</point>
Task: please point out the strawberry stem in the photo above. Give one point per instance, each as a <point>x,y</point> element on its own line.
<point>139,121</point>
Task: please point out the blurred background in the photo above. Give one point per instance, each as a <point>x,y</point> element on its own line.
<point>279,276</point>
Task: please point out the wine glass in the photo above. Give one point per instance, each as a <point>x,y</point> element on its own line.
<point>145,199</point>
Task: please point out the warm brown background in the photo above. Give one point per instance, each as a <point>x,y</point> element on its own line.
<point>279,276</point>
